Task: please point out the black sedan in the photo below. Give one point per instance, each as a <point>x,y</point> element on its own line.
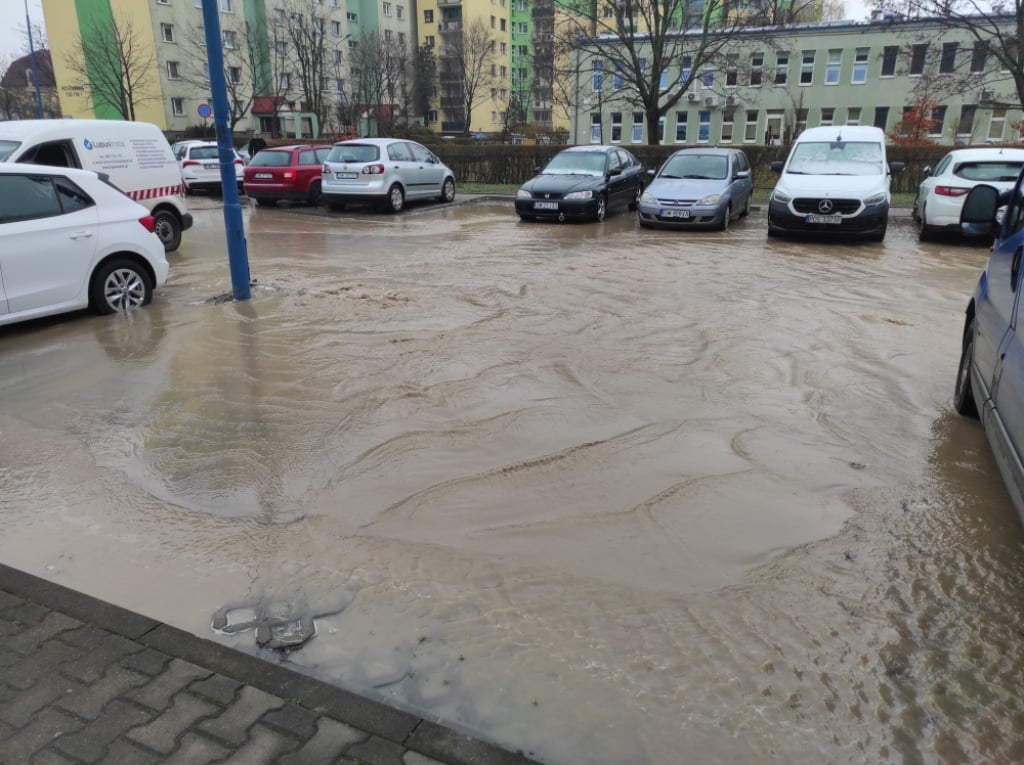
<point>583,183</point>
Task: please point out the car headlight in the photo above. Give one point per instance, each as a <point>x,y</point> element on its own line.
<point>648,197</point>
<point>875,199</point>
<point>588,194</point>
<point>710,199</point>
<point>523,194</point>
<point>781,197</point>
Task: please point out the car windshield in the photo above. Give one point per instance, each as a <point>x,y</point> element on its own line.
<point>704,166</point>
<point>7,148</point>
<point>836,158</point>
<point>577,163</point>
<point>354,152</point>
<point>271,158</point>
<point>989,171</point>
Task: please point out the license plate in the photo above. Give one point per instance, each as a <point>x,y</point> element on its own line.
<point>675,213</point>
<point>831,219</point>
<point>545,205</point>
<point>263,176</point>
<point>212,166</point>
<point>346,176</point>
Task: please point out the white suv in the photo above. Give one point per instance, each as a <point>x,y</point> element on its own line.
<point>200,166</point>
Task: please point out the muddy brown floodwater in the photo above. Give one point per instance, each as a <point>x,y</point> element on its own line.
<point>602,494</point>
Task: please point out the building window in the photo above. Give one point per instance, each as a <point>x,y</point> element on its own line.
<point>938,118</point>
<point>756,68</point>
<point>337,57</point>
<point>278,17</point>
<point>661,129</point>
<point>229,39</point>
<point>351,16</point>
<point>663,80</point>
<point>881,117</point>
<point>638,127</point>
<point>889,54</point>
<point>284,82</point>
<point>432,116</point>
<point>965,127</point>
<point>163,2</point>
<point>172,71</point>
<point>178,107</point>
<point>947,64</point>
<point>727,123</point>
<point>318,25</point>
<point>860,65</point>
<point>387,8</point>
<point>750,127</point>
<point>503,72</point>
<point>598,75</point>
<point>336,28</point>
<point>503,49</point>
<point>595,127</point>
<point>225,6</point>
<point>617,78</point>
<point>522,27</point>
<point>387,35</point>
<point>616,127</point>
<point>996,124</point>
<point>492,21</point>
<point>501,24</point>
<point>703,127</point>
<point>524,50</point>
<point>708,76</point>
<point>781,68</point>
<point>353,44</point>
<point>979,56</point>
<point>429,41</point>
<point>235,75</point>
<point>281,47</point>
<point>732,61</point>
<point>685,70</point>
<point>167,32</point>
<point>401,39</point>
<point>853,115</point>
<point>807,67</point>
<point>428,17</point>
<point>917,57</point>
<point>494,117</point>
<point>400,11</point>
<point>680,127</point>
<point>828,114</point>
<point>835,62</point>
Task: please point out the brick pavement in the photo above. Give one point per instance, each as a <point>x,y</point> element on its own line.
<point>83,682</point>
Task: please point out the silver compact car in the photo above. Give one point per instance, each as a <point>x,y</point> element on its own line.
<point>384,172</point>
<point>698,188</point>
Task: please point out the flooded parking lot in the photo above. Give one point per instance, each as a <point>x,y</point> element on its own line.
<point>602,494</point>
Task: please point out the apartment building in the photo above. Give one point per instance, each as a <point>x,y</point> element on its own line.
<point>770,84</point>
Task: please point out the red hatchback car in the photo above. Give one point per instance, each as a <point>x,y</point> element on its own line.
<point>286,172</point>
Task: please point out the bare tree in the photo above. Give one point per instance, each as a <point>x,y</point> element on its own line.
<point>634,43</point>
<point>115,63</point>
<point>379,69</point>
<point>304,36</point>
<point>468,67</point>
<point>423,80</point>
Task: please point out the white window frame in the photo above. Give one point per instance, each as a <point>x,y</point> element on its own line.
<point>173,70</point>
<point>178,107</point>
<point>167,32</point>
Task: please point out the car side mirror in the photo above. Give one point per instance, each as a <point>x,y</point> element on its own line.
<point>978,215</point>
<point>615,171</point>
<point>776,166</point>
<point>652,173</point>
<point>897,167</point>
<point>926,173</point>
<point>741,174</point>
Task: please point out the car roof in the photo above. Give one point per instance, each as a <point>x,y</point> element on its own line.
<point>847,132</point>
<point>374,141</point>
<point>591,148</point>
<point>10,168</point>
<point>298,147</point>
<point>987,152</point>
<point>714,150</point>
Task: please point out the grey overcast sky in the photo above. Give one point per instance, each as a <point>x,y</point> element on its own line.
<point>13,40</point>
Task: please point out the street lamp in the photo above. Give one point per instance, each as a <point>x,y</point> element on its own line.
<point>35,67</point>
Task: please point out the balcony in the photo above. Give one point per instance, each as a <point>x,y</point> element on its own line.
<point>453,126</point>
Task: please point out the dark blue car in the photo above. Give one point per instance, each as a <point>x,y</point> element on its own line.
<point>990,380</point>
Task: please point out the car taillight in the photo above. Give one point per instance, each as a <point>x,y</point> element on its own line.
<point>188,162</point>
<point>147,223</point>
<point>950,191</point>
<point>373,170</point>
<point>289,175</point>
<point>239,162</point>
<point>325,169</point>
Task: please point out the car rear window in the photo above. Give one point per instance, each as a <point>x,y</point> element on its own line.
<point>988,171</point>
<point>271,158</point>
<point>7,148</point>
<point>204,152</point>
<point>354,152</point>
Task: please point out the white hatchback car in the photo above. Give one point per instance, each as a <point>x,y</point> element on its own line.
<point>385,172</point>
<point>940,197</point>
<point>200,166</point>
<point>70,240</point>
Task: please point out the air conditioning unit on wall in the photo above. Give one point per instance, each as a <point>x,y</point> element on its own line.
<point>732,100</point>
<point>691,96</point>
<point>710,101</point>
<point>987,95</point>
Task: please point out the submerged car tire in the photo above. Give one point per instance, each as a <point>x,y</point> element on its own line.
<point>963,394</point>
<point>395,200</point>
<point>168,228</point>
<point>636,198</point>
<point>923,234</point>
<point>120,284</point>
<point>602,208</point>
<point>727,218</point>
<point>447,190</point>
<point>746,207</point>
<point>315,195</point>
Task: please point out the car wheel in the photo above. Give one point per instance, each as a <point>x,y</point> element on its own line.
<point>447,190</point>
<point>119,285</point>
<point>923,234</point>
<point>315,197</point>
<point>746,207</point>
<point>726,219</point>
<point>636,197</point>
<point>880,236</point>
<point>168,228</point>
<point>395,199</point>
<point>963,394</point>
<point>266,203</point>
<point>602,208</point>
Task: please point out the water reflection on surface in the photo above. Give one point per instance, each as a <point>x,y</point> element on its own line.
<point>599,493</point>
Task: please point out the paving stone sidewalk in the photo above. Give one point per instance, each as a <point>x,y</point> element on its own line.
<point>83,681</point>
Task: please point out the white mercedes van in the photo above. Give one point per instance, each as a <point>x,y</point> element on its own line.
<point>135,156</point>
<point>834,183</point>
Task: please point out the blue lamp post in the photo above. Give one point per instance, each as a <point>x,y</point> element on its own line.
<point>35,67</point>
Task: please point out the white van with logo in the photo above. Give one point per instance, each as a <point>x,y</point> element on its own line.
<point>834,183</point>
<point>135,156</point>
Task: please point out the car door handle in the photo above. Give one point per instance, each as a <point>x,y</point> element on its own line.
<point>80,235</point>
<point>1015,267</point>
